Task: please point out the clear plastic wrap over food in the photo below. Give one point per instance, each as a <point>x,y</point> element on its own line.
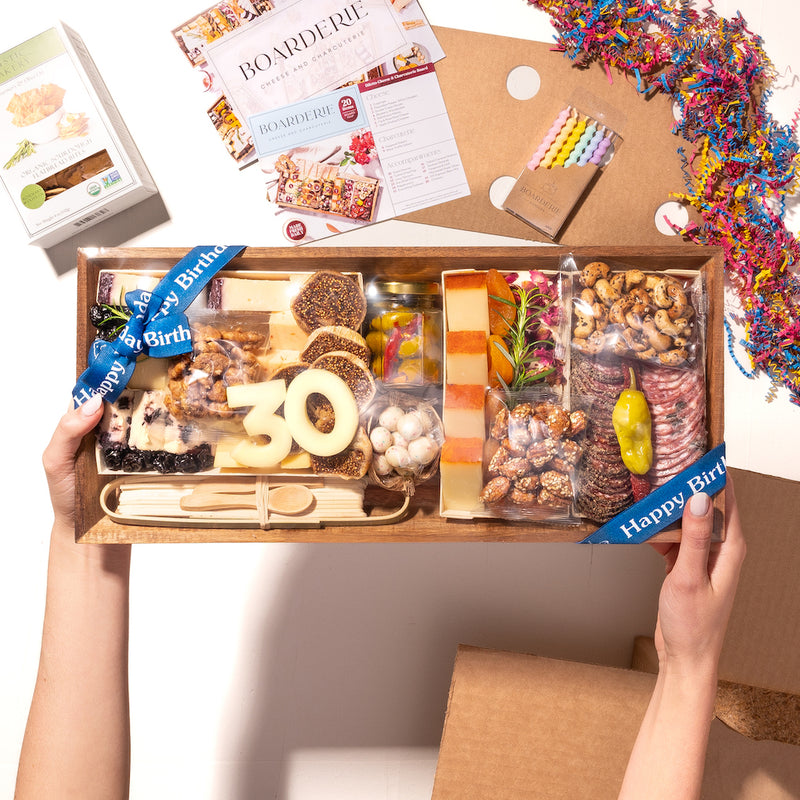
<point>638,336</point>
<point>225,352</point>
<point>533,450</point>
<point>173,419</point>
<point>675,399</point>
<point>406,435</point>
<point>656,317</point>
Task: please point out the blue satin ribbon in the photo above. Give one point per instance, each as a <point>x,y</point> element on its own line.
<point>664,505</point>
<point>158,326</point>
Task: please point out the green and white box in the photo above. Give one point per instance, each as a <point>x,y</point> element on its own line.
<point>66,158</point>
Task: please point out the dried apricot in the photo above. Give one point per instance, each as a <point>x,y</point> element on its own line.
<point>502,304</point>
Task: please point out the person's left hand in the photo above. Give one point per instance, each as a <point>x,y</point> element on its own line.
<point>59,457</point>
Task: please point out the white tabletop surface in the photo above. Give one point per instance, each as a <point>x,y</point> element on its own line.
<point>297,671</point>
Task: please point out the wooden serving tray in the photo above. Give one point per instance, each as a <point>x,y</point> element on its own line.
<point>422,522</point>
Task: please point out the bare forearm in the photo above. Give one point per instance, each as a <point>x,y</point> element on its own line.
<point>77,740</point>
<point>668,757</point>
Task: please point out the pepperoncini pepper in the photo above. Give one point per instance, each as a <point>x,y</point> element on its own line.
<point>632,424</point>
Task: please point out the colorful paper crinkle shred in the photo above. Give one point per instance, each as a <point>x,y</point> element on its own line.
<point>742,164</point>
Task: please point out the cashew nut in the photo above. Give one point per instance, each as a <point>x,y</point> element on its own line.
<point>588,296</point>
<point>620,347</point>
<point>640,296</point>
<point>673,358</point>
<point>600,315</point>
<point>660,296</point>
<point>657,340</point>
<point>679,301</point>
<point>584,326</point>
<point>593,271</point>
<point>633,277</point>
<point>618,281</point>
<point>593,345</point>
<point>616,313</point>
<point>633,340</point>
<point>606,292</point>
<point>634,317</point>
<point>677,327</point>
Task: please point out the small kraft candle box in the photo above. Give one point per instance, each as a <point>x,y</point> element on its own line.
<point>578,144</point>
<point>67,159</point>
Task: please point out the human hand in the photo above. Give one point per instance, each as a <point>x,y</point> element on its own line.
<point>698,592</point>
<point>59,457</point>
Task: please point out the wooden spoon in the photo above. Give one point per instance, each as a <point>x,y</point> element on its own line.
<point>290,499</point>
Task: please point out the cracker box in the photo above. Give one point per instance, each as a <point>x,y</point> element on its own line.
<point>68,161</point>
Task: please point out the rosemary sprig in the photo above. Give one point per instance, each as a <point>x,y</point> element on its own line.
<point>531,305</point>
<point>119,314</point>
<point>25,148</point>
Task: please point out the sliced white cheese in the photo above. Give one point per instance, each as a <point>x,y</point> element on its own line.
<point>244,294</point>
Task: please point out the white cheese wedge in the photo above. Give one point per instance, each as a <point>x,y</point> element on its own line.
<point>154,428</point>
<point>301,460</point>
<point>466,301</point>
<point>148,419</point>
<point>116,423</point>
<point>273,360</point>
<point>466,358</point>
<point>112,285</point>
<point>244,294</point>
<point>463,411</point>
<point>461,474</point>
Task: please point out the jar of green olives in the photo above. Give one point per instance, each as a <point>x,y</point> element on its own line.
<point>404,320</point>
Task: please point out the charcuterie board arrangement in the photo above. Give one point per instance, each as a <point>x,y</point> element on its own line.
<point>426,394</point>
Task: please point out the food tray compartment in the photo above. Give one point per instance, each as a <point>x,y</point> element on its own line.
<point>419,520</point>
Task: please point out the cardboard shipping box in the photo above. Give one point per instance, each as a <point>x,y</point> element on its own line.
<point>521,726</point>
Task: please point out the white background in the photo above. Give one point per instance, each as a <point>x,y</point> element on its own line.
<point>294,671</point>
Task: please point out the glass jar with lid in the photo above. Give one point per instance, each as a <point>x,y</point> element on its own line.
<point>404,320</point>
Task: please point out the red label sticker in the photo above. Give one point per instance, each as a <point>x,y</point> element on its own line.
<point>348,108</point>
<point>295,230</point>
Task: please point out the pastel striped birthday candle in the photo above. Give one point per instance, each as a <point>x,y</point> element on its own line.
<point>570,143</point>
<point>549,138</point>
<point>558,143</point>
<point>601,149</point>
<point>591,147</point>
<point>582,144</point>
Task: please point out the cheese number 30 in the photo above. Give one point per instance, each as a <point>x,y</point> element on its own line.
<point>265,399</point>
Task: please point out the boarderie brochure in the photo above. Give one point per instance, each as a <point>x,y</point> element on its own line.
<point>358,155</point>
<point>255,55</point>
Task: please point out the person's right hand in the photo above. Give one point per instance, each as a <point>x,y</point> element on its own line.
<point>698,592</point>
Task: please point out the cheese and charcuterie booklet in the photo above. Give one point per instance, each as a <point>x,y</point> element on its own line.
<point>359,155</point>
<point>251,56</point>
